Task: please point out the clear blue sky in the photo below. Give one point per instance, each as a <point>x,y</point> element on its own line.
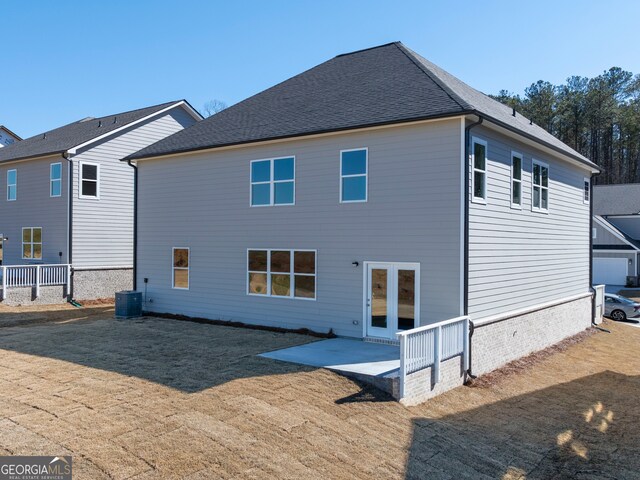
<point>64,60</point>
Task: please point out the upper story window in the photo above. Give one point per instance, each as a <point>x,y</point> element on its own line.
<point>181,260</point>
<point>32,243</point>
<point>353,175</point>
<point>587,191</point>
<point>540,181</point>
<point>12,185</point>
<point>55,180</point>
<point>282,273</point>
<point>89,180</point>
<point>516,180</point>
<point>479,177</point>
<point>273,182</point>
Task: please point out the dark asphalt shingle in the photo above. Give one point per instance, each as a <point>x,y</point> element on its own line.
<point>63,138</point>
<point>381,85</point>
<point>616,199</point>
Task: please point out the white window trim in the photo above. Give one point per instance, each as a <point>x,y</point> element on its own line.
<point>585,200</point>
<point>474,199</point>
<point>517,206</point>
<point>291,273</point>
<point>173,268</point>
<point>365,175</point>
<point>51,179</point>
<point>272,182</point>
<point>12,185</point>
<point>90,197</point>
<point>32,243</point>
<point>545,165</point>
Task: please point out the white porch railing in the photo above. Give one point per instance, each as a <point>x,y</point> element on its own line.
<point>599,303</point>
<point>14,276</point>
<point>431,345</point>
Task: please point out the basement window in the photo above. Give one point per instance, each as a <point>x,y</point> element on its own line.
<point>32,243</point>
<point>181,260</point>
<point>282,273</point>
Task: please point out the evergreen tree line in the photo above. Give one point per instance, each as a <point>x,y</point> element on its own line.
<point>599,117</point>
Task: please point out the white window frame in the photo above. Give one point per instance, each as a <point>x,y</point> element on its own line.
<point>173,268</point>
<point>97,180</point>
<point>32,243</point>
<point>291,273</point>
<point>585,200</point>
<point>52,180</point>
<point>15,185</point>
<point>539,209</point>
<point>272,182</point>
<point>515,154</point>
<point>483,199</point>
<point>365,175</point>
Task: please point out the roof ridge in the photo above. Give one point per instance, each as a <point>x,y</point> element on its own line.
<point>135,110</point>
<point>454,96</point>
<point>367,49</point>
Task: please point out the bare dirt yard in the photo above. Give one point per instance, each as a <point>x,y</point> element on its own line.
<point>158,398</point>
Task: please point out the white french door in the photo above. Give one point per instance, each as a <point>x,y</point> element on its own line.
<point>392,296</point>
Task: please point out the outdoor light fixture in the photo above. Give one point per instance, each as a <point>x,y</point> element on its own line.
<point>355,264</point>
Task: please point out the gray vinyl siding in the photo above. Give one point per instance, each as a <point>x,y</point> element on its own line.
<point>103,228</point>
<point>630,226</point>
<point>201,201</point>
<point>605,237</point>
<point>522,258</point>
<point>630,256</point>
<point>34,207</point>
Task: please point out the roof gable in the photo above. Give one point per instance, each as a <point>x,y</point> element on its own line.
<point>62,139</point>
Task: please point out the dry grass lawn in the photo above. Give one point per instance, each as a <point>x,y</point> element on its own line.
<point>157,398</point>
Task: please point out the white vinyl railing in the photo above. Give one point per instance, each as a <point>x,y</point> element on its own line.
<point>14,276</point>
<point>431,345</point>
<point>599,303</point>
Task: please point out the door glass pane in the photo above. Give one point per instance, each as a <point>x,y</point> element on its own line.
<point>379,298</point>
<point>406,299</point>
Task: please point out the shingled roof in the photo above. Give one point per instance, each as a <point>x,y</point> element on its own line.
<point>609,200</point>
<point>69,136</point>
<point>377,86</point>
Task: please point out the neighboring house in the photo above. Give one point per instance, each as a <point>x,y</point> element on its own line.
<point>365,197</point>
<point>68,199</point>
<point>7,137</point>
<point>616,234</point>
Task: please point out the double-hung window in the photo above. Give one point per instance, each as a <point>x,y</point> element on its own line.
<point>273,182</point>
<point>516,180</point>
<point>181,260</point>
<point>12,185</point>
<point>540,191</point>
<point>479,177</point>
<point>282,273</point>
<point>587,191</point>
<point>55,180</point>
<point>353,175</point>
<point>32,243</point>
<point>89,180</point>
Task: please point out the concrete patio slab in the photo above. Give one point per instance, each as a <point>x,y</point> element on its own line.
<point>343,355</point>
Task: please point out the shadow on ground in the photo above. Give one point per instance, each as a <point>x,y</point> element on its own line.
<point>584,429</point>
<point>183,355</point>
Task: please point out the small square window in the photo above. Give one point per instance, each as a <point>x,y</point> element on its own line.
<point>273,182</point>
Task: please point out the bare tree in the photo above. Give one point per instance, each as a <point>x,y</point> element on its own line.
<point>212,107</point>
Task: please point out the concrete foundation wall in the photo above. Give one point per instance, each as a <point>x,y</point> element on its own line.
<point>94,284</point>
<point>27,296</point>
